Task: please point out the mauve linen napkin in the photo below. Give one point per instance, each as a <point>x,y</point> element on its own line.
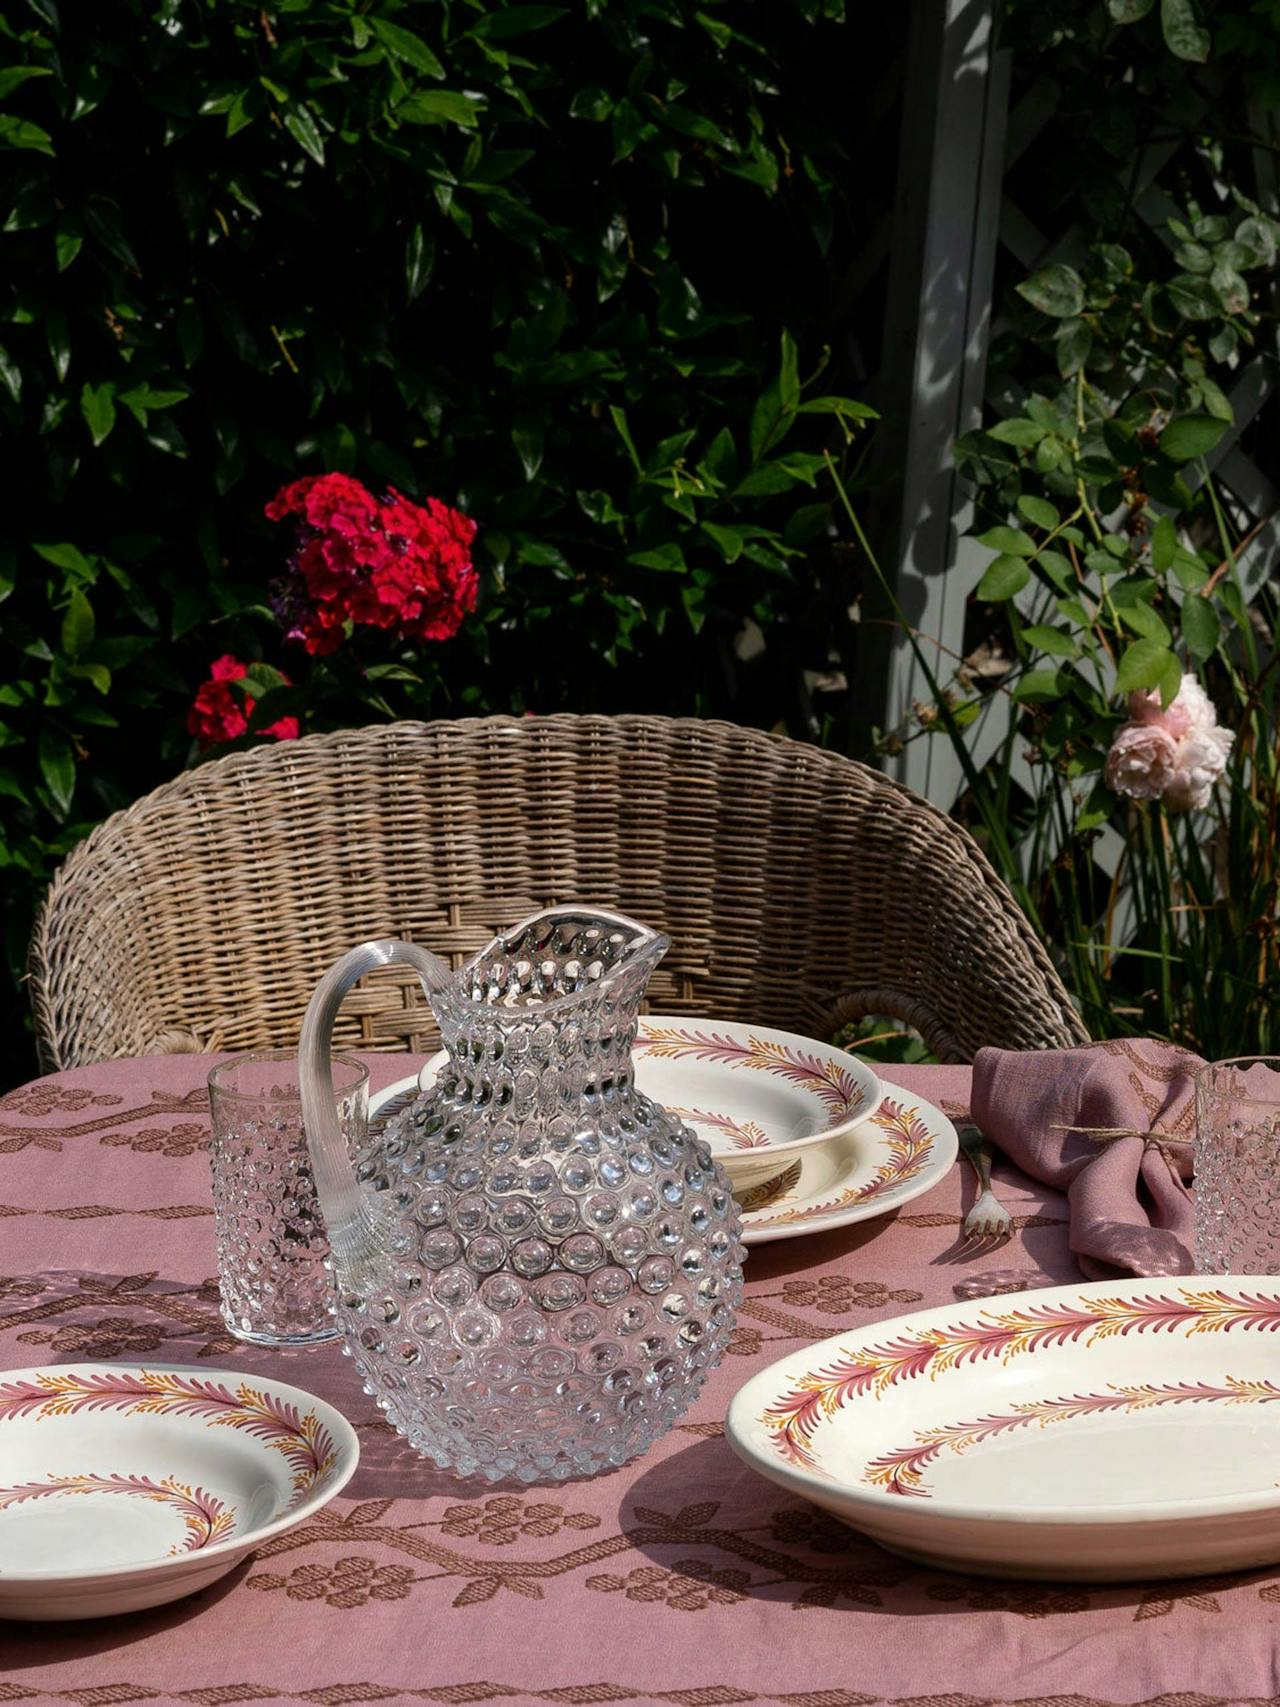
<point>1128,1199</point>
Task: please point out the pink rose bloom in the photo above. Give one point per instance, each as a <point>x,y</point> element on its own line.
<point>1175,754</point>
<point>1191,709</point>
<point>1143,761</point>
<point>1202,758</point>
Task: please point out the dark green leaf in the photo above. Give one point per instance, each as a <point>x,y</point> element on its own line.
<point>666,557</point>
<point>1129,11</point>
<point>55,326</point>
<point>305,132</point>
<point>839,406</point>
<point>1004,576</point>
<point>1057,568</point>
<point>1189,572</point>
<point>1189,436</point>
<point>21,133</point>
<point>1139,618</point>
<point>1223,343</point>
<point>405,45</point>
<point>1257,236</point>
<point>77,625</point>
<point>1008,539</point>
<point>1057,290</point>
<point>528,441</point>
<point>1193,297</point>
<point>68,240</point>
<point>64,555</point>
<point>501,22</point>
<point>789,375</point>
<point>242,111</point>
<point>1184,35</point>
<point>1017,431</point>
<point>1200,626</point>
<point>57,767</point>
<point>1170,682</point>
<point>721,460</point>
<point>1232,291</point>
<point>1052,640</point>
<point>438,106</point>
<point>1038,511</point>
<point>97,405</point>
<point>591,102</point>
<point>98,674</point>
<point>619,418</point>
<point>12,75</point>
<point>1164,544</point>
<point>1142,665</point>
<point>1039,685</point>
<point>1073,344</point>
<point>728,541</point>
<point>419,258</point>
<point>1194,257</point>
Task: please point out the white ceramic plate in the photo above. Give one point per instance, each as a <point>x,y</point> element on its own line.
<point>901,1151</point>
<point>124,1487</point>
<point>1120,1430</point>
<point>760,1098</point>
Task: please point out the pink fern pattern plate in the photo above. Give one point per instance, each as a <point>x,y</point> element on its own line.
<point>1103,1432</point>
<point>761,1098</point>
<point>124,1487</point>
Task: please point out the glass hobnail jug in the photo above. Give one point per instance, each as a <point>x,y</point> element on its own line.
<point>535,1265</point>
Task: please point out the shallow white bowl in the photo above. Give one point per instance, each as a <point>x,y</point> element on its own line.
<point>123,1487</point>
<point>1120,1430</point>
<point>759,1097</point>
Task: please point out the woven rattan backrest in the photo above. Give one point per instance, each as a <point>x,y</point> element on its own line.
<point>799,888</point>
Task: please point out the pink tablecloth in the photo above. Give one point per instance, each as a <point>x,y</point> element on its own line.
<point>683,1579</point>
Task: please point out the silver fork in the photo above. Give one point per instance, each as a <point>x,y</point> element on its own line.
<point>988,1221</point>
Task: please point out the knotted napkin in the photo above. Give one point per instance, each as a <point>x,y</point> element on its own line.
<point>1112,1125</point>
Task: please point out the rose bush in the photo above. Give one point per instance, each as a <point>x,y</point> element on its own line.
<point>1123,597</point>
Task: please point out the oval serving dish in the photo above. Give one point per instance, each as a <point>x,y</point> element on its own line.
<point>1118,1430</point>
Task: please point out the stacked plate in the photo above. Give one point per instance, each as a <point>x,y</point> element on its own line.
<point>809,1136</point>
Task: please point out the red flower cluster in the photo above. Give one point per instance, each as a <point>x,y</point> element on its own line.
<point>383,563</point>
<point>219,715</point>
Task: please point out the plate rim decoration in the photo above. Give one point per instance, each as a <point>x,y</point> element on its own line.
<point>815,1383</point>
<point>769,1049</point>
<point>127,1392</point>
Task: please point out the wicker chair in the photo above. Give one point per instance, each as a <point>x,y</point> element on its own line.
<point>800,888</point>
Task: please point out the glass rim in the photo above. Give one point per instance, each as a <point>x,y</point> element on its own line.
<point>246,1056</point>
<point>1203,1088</point>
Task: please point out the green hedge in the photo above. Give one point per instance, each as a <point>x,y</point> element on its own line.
<point>568,267</point>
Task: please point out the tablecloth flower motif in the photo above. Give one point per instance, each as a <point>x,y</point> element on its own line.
<point>107,1337</point>
<point>500,1521</point>
<point>806,1526</point>
<point>836,1294</point>
<point>1028,1600</point>
<point>744,1341</point>
<point>347,1583</point>
<point>181,1140</point>
<point>44,1098</point>
<point>691,1586</point>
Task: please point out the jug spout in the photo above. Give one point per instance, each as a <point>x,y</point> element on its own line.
<point>351,1233</point>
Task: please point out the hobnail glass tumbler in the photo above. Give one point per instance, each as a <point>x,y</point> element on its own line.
<point>1237,1175</point>
<point>273,1278</point>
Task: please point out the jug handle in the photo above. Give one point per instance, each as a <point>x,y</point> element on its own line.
<point>352,1236</point>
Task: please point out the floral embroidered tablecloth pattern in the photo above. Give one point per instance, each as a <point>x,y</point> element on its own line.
<point>683,1579</point>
